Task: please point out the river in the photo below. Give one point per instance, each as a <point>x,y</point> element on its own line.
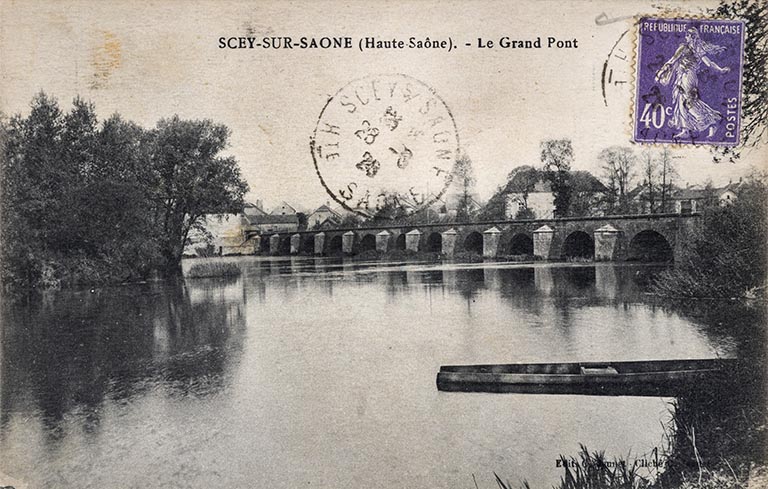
<point>319,373</point>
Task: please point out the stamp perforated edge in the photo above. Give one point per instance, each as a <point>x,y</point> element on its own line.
<point>634,31</point>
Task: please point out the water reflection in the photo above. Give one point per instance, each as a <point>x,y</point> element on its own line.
<point>72,351</point>
<point>328,363</point>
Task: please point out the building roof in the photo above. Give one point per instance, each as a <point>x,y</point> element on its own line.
<point>583,181</point>
<point>325,208</point>
<point>273,219</point>
<point>689,194</point>
<point>252,209</point>
<point>282,204</point>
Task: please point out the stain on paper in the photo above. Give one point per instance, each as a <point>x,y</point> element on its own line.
<point>106,57</point>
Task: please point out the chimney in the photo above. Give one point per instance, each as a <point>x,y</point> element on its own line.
<point>259,205</point>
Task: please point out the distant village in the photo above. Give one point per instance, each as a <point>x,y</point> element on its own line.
<point>228,234</point>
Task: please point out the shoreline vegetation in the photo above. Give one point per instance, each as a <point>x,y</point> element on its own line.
<point>89,202</point>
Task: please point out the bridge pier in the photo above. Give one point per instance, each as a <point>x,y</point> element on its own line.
<point>347,242</point>
<point>607,243</point>
<point>542,242</point>
<point>319,243</point>
<point>412,239</point>
<point>295,243</point>
<point>382,242</point>
<point>448,242</point>
<point>274,244</point>
<point>491,242</point>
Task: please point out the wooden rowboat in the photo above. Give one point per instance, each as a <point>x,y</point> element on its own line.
<point>639,378</point>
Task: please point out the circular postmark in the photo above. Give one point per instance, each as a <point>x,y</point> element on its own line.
<point>385,140</point>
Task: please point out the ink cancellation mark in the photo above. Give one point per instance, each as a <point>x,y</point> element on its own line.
<point>385,140</point>
<point>689,81</point>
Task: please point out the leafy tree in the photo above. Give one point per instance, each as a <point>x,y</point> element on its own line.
<point>726,255</point>
<point>618,165</point>
<point>710,198</point>
<point>587,194</point>
<point>84,202</point>
<point>520,180</point>
<point>523,180</point>
<point>32,185</point>
<point>525,213</point>
<point>303,220</point>
<point>556,157</point>
<point>350,221</point>
<point>391,209</point>
<point>194,179</point>
<point>496,207</point>
<point>464,177</point>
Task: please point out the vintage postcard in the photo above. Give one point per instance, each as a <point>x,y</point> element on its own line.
<point>435,244</point>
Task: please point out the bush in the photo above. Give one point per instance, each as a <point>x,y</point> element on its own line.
<point>467,257</point>
<point>214,269</point>
<point>725,257</point>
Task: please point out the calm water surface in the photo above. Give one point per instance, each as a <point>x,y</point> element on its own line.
<point>314,373</point>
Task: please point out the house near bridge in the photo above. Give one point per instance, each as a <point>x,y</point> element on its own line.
<point>323,216</point>
<point>231,234</point>
<point>693,198</point>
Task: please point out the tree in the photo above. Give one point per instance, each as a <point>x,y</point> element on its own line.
<point>496,207</point>
<point>464,177</point>
<point>587,193</point>
<point>68,216</point>
<point>193,180</point>
<point>390,209</point>
<point>525,213</point>
<point>755,74</point>
<point>350,220</point>
<point>618,165</point>
<point>650,184</point>
<point>521,180</point>
<point>709,198</point>
<point>556,157</point>
<point>667,174</point>
<point>726,255</point>
<point>303,220</point>
<point>88,203</point>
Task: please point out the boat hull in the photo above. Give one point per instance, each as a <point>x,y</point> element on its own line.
<point>668,378</point>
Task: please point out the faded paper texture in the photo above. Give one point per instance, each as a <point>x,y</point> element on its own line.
<point>316,364</point>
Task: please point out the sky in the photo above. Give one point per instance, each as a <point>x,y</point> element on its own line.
<point>148,60</point>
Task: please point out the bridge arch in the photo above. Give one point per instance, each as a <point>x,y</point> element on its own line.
<point>434,243</point>
<point>307,244</point>
<point>400,242</point>
<point>285,245</point>
<point>649,245</point>
<point>578,244</point>
<point>335,245</point>
<point>368,243</point>
<point>473,243</point>
<point>520,244</point>
<point>264,247</point>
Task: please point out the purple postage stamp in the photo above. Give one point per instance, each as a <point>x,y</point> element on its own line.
<point>688,81</point>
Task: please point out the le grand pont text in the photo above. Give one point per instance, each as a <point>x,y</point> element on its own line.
<point>365,43</point>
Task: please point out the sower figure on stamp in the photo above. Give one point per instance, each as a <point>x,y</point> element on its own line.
<point>690,114</point>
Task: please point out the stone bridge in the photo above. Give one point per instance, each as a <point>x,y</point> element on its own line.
<point>653,237</point>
